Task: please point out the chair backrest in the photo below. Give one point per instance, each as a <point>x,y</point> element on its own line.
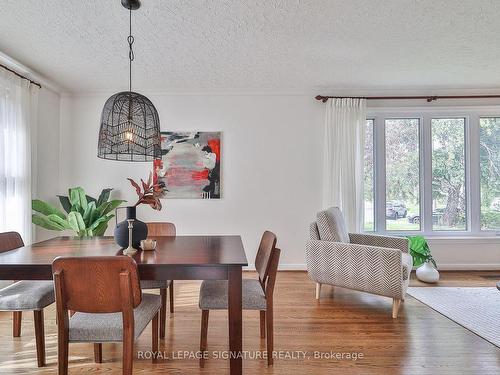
<point>161,229</point>
<point>96,284</point>
<point>332,226</point>
<point>10,241</point>
<point>263,257</point>
<point>273,271</point>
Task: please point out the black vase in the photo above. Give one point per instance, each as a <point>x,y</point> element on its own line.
<point>139,232</point>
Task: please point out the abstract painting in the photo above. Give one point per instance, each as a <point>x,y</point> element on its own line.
<point>190,164</point>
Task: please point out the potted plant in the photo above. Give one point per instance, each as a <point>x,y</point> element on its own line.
<point>422,258</point>
<point>86,216</point>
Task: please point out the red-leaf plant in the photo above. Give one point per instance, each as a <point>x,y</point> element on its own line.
<point>150,192</point>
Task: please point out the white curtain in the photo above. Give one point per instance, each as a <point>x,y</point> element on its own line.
<point>343,159</point>
<point>18,109</point>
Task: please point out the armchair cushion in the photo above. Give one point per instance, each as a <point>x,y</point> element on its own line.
<point>331,225</point>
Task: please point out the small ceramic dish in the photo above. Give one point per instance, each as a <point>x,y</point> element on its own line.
<point>148,244</point>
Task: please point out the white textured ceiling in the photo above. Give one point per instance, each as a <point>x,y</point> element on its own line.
<point>258,44</point>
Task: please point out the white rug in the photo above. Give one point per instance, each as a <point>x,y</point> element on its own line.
<point>477,309</point>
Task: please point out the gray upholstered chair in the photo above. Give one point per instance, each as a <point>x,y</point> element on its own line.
<point>366,262</point>
<point>257,294</point>
<point>109,306</point>
<point>26,296</point>
<point>155,230</point>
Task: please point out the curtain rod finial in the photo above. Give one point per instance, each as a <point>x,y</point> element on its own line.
<point>324,99</point>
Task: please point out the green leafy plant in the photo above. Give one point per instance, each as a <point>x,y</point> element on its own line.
<point>83,214</point>
<point>420,251</point>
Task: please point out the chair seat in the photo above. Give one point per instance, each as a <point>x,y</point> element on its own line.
<point>155,284</point>
<point>407,261</point>
<point>97,328</point>
<point>27,295</point>
<point>213,295</point>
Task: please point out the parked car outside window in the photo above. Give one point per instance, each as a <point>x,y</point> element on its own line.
<point>394,210</point>
<point>436,217</point>
<point>495,204</point>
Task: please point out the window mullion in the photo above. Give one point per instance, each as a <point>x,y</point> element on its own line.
<point>473,173</point>
<point>379,137</point>
<point>426,173</point>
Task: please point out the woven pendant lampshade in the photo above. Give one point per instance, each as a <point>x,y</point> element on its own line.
<point>130,126</point>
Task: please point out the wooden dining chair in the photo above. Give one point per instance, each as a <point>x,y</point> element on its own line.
<point>26,296</point>
<point>256,294</point>
<point>156,230</point>
<point>108,302</point>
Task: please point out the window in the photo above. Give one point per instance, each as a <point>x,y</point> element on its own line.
<point>448,174</point>
<point>402,174</point>
<point>369,180</point>
<point>17,101</point>
<point>489,153</point>
<point>433,171</point>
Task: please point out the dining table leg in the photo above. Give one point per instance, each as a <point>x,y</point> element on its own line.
<point>235,320</point>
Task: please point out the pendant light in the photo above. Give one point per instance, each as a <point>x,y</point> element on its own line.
<point>130,126</point>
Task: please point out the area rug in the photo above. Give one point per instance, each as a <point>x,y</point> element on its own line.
<point>477,309</point>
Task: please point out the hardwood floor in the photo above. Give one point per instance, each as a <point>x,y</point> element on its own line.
<point>420,341</point>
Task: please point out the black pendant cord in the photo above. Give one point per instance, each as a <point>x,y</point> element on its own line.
<point>130,125</point>
<point>130,41</point>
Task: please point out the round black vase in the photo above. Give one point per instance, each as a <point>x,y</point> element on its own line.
<point>139,232</point>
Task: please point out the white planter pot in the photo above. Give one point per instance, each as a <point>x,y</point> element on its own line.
<point>427,273</point>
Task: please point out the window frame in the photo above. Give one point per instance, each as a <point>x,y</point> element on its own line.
<point>471,116</point>
<point>420,172</point>
<point>467,168</point>
<point>374,178</point>
<point>478,172</point>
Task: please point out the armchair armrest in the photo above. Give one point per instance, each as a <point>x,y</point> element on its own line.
<point>392,242</point>
<point>371,269</point>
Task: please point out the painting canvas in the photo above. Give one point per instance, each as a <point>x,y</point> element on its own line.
<point>190,164</point>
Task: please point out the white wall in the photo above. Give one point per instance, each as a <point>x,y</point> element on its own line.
<point>466,253</point>
<point>271,171</point>
<point>271,158</point>
<point>271,166</point>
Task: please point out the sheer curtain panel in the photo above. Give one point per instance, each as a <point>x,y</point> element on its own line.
<point>18,109</point>
<point>343,158</point>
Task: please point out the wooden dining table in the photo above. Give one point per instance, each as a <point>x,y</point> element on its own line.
<point>175,258</point>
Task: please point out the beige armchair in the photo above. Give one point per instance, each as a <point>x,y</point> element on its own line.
<point>365,262</point>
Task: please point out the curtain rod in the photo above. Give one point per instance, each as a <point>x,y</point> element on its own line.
<point>428,98</point>
<point>23,77</point>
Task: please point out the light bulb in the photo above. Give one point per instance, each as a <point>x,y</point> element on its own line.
<point>129,136</point>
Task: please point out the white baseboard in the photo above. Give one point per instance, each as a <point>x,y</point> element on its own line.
<point>292,267</point>
<point>282,267</point>
<point>441,266</point>
<point>469,267</point>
